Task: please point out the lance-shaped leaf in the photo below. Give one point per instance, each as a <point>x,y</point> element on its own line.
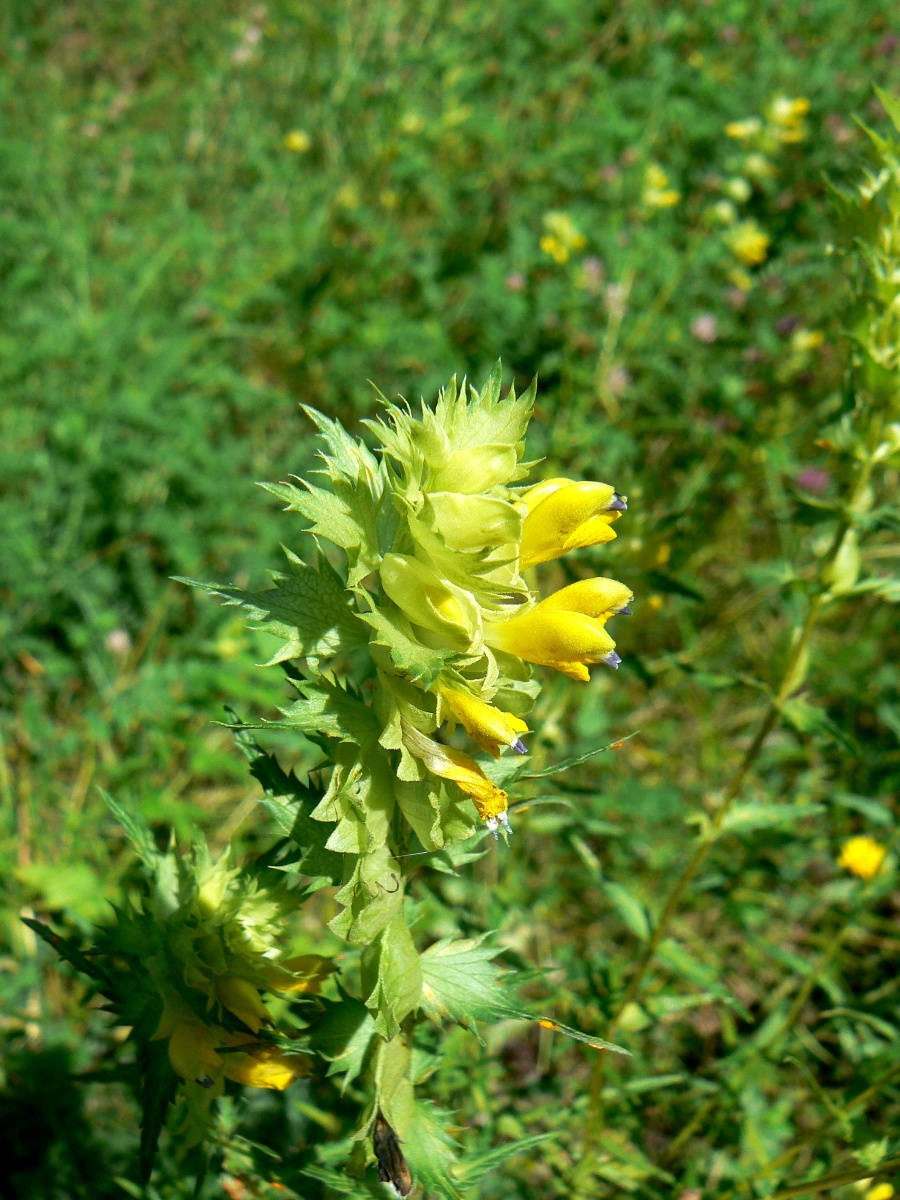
<point>309,609</point>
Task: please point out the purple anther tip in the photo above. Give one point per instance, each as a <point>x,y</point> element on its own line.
<point>612,660</point>
<point>625,611</point>
<point>491,823</point>
<point>618,503</point>
<point>519,746</point>
<point>504,821</point>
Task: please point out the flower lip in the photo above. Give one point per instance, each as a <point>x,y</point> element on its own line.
<point>611,660</point>
<point>625,611</point>
<point>493,822</point>
<point>519,746</point>
<point>619,503</point>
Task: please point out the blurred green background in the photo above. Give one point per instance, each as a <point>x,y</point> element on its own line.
<point>211,214</point>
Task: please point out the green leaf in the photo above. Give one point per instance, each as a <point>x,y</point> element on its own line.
<point>677,959</point>
<point>326,708</point>
<point>391,977</point>
<point>343,1034</point>
<point>372,895</point>
<point>629,908</point>
<point>136,830</point>
<point>474,1168</point>
<point>309,609</point>
<point>807,718</point>
<point>159,1083</point>
<point>430,1151</point>
<point>411,659</point>
<point>568,763</point>
<point>460,981</point>
<point>757,814</point>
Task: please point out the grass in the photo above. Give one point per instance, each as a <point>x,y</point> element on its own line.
<point>177,279</point>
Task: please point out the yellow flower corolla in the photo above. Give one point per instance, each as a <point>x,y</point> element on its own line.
<point>786,118</point>
<point>567,639</point>
<point>490,727</point>
<point>262,1065</point>
<point>243,1000</point>
<point>301,974</point>
<point>748,243</point>
<point>862,856</point>
<point>742,131</point>
<point>599,598</point>
<point>881,1191</point>
<point>193,1054</point>
<point>206,1055</point>
<point>564,515</point>
<point>298,141</point>
<point>657,193</point>
<point>490,801</point>
<point>563,238</point>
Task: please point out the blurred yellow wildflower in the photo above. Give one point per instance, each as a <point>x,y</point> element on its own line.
<point>881,1191</point>
<point>657,193</point>
<point>563,515</point>
<point>804,340</point>
<point>562,238</point>
<point>490,727</point>
<point>243,1000</point>
<point>748,243</point>
<point>862,856</point>
<point>207,1054</point>
<point>786,118</point>
<point>298,140</point>
<point>742,131</point>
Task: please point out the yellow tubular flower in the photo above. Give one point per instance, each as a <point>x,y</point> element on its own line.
<point>262,1066</point>
<point>242,999</point>
<point>564,515</point>
<point>567,630</point>
<point>192,1053</point>
<point>862,856</point>
<point>599,598</point>
<point>490,727</point>
<point>461,769</point>
<point>303,973</point>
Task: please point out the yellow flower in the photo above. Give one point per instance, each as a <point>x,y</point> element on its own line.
<point>242,999</point>
<point>742,131</point>
<point>748,243</point>
<point>657,193</point>
<point>804,340</point>
<point>881,1191</point>
<point>298,141</point>
<point>303,973</point>
<point>567,630</point>
<point>490,727</point>
<point>862,856</point>
<point>786,118</point>
<point>563,238</point>
<point>563,515</point>
<point>261,1065</point>
<point>193,1055</point>
<point>461,769</point>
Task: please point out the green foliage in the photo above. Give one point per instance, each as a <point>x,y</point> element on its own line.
<point>479,183</point>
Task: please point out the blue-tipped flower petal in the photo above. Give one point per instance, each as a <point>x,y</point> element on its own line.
<point>612,660</point>
<point>625,611</point>
<point>519,746</point>
<point>619,503</point>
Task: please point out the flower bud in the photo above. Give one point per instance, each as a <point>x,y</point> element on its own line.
<point>598,598</point>
<point>429,601</point>
<point>241,998</point>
